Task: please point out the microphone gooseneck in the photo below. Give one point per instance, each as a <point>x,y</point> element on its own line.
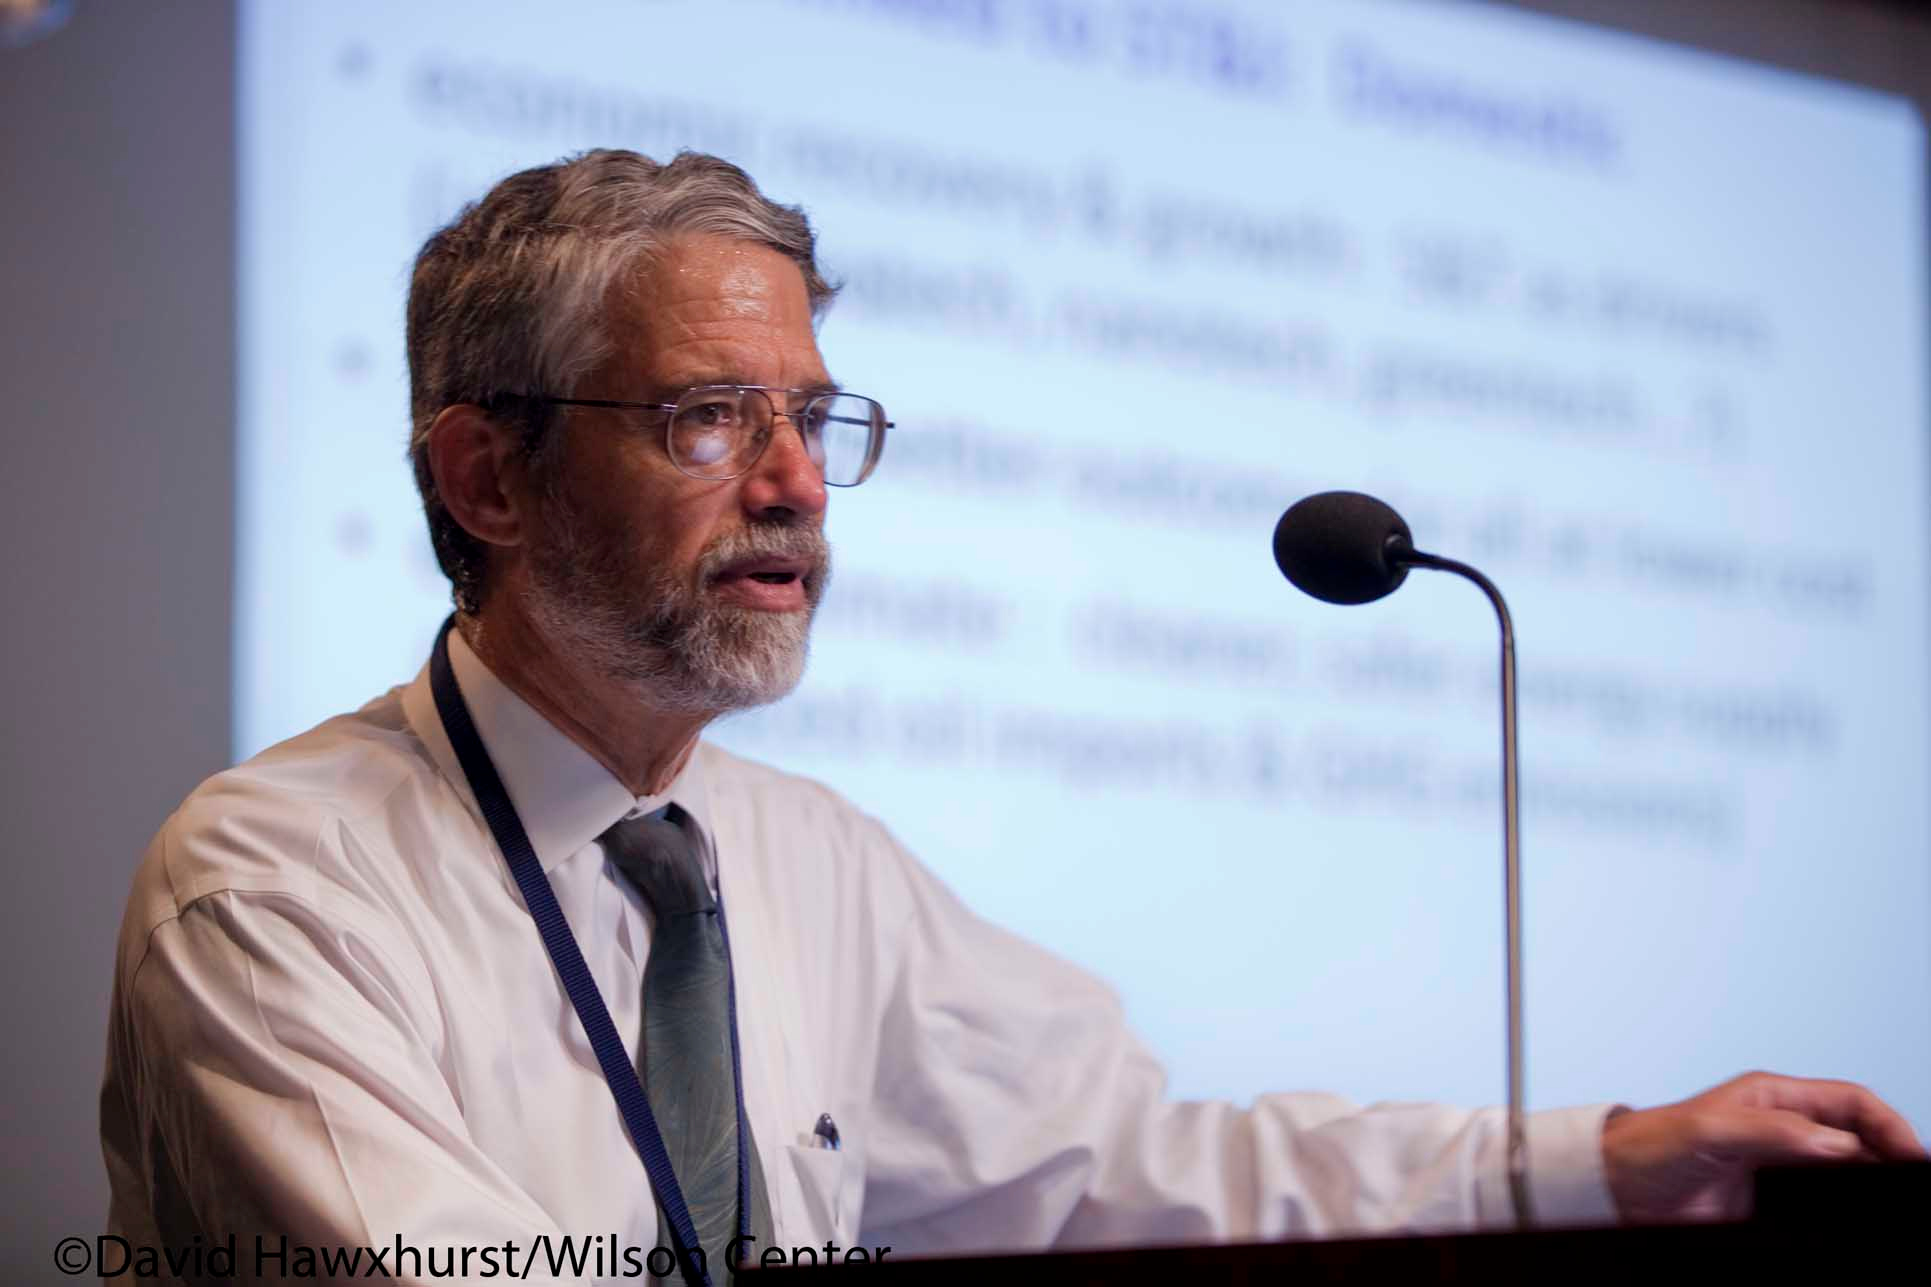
<point>1349,548</point>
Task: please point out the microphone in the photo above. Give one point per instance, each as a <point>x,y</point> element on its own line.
<point>1348,548</point>
<point>1343,547</point>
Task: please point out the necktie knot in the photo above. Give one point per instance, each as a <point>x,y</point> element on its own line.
<point>662,854</point>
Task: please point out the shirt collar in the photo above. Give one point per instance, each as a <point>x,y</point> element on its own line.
<point>563,796</point>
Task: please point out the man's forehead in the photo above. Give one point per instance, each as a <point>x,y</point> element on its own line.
<point>713,310</point>
<point>723,277</point>
<point>741,286</point>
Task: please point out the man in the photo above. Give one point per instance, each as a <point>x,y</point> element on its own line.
<point>454,970</point>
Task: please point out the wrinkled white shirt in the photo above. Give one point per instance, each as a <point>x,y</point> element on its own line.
<point>333,1018</point>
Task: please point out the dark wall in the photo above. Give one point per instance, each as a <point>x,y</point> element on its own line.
<point>117,391</point>
<point>1885,44</point>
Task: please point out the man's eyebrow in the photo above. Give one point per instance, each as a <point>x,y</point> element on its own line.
<point>702,379</point>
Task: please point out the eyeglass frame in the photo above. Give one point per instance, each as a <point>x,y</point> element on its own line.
<point>871,457</point>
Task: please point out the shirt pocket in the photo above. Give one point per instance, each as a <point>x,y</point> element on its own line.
<point>821,1174</point>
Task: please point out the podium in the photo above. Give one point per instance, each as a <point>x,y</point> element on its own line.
<point>1827,1223</point>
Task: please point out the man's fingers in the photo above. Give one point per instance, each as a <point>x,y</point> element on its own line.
<point>1848,1107</point>
<point>1775,1135</point>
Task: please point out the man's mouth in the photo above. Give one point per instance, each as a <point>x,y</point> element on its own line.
<point>770,569</point>
<point>770,583</point>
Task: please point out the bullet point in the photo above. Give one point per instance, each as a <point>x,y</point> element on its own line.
<point>354,533</point>
<point>352,360</point>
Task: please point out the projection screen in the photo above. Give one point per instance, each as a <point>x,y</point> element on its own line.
<point>1639,331</point>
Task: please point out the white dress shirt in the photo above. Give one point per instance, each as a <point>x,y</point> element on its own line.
<point>334,1018</point>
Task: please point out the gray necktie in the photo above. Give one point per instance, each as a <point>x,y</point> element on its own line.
<point>688,1073</point>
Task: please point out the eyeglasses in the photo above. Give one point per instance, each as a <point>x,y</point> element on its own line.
<point>719,431</point>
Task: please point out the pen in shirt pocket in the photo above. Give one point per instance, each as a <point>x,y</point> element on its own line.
<point>824,1133</point>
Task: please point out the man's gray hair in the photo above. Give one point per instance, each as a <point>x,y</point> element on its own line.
<point>511,298</point>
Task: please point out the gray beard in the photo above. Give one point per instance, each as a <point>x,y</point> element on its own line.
<point>680,648</point>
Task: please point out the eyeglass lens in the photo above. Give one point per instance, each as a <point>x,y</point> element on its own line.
<point>721,432</point>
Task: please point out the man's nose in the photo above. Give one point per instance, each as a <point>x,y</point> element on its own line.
<point>786,480</point>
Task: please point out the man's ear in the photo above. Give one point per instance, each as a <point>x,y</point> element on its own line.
<point>477,462</point>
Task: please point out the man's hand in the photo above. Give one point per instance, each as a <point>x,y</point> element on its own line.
<point>1694,1160</point>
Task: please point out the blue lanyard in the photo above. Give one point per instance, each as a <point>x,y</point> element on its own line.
<point>561,944</point>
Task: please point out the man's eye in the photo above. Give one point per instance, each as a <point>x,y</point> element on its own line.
<point>719,413</point>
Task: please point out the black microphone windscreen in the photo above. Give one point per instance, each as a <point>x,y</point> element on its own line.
<point>1339,546</point>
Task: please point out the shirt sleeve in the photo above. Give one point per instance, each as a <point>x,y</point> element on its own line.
<point>1016,1110</point>
<point>275,1070</point>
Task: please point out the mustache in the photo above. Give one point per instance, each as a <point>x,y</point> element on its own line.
<point>769,540</point>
